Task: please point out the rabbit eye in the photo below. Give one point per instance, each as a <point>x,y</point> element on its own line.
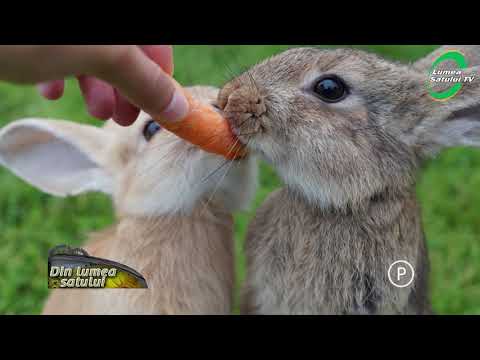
<point>150,129</point>
<point>330,89</point>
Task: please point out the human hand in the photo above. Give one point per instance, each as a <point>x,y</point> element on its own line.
<point>116,81</point>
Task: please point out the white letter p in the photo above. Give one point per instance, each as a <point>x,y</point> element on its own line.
<point>401,271</point>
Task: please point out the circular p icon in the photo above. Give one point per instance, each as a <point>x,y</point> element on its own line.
<point>401,273</point>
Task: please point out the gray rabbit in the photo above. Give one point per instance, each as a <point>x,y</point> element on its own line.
<point>347,132</point>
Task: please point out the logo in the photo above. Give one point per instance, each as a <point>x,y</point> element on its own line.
<point>73,268</point>
<point>401,273</point>
<point>455,76</point>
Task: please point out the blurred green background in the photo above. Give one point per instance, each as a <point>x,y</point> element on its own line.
<point>32,222</point>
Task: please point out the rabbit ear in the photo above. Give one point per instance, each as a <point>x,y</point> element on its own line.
<point>453,121</point>
<point>471,53</point>
<point>58,157</point>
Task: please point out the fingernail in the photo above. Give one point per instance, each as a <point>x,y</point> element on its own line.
<point>177,109</point>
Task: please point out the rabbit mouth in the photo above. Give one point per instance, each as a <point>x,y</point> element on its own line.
<point>246,135</point>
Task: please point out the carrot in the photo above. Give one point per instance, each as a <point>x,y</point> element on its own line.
<point>207,129</point>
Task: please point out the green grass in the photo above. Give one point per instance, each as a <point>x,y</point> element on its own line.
<point>32,222</point>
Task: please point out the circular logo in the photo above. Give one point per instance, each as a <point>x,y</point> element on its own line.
<point>401,273</point>
<point>455,77</point>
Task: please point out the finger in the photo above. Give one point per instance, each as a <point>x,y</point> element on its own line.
<point>125,113</point>
<point>98,95</point>
<point>51,90</point>
<point>162,55</point>
<point>145,84</point>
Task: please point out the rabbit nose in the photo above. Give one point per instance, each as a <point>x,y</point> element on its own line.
<point>244,101</point>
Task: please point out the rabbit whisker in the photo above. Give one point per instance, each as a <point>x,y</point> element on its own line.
<point>153,166</point>
<point>206,178</point>
<point>248,133</point>
<point>217,186</point>
<point>253,82</point>
<point>231,73</point>
<point>221,165</point>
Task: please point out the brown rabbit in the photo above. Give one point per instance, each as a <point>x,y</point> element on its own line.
<point>346,131</point>
<point>174,210</point>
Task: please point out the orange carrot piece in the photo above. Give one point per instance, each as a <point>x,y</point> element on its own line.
<point>207,129</point>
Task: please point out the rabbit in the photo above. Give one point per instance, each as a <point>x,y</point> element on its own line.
<point>347,132</point>
<point>174,210</point>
